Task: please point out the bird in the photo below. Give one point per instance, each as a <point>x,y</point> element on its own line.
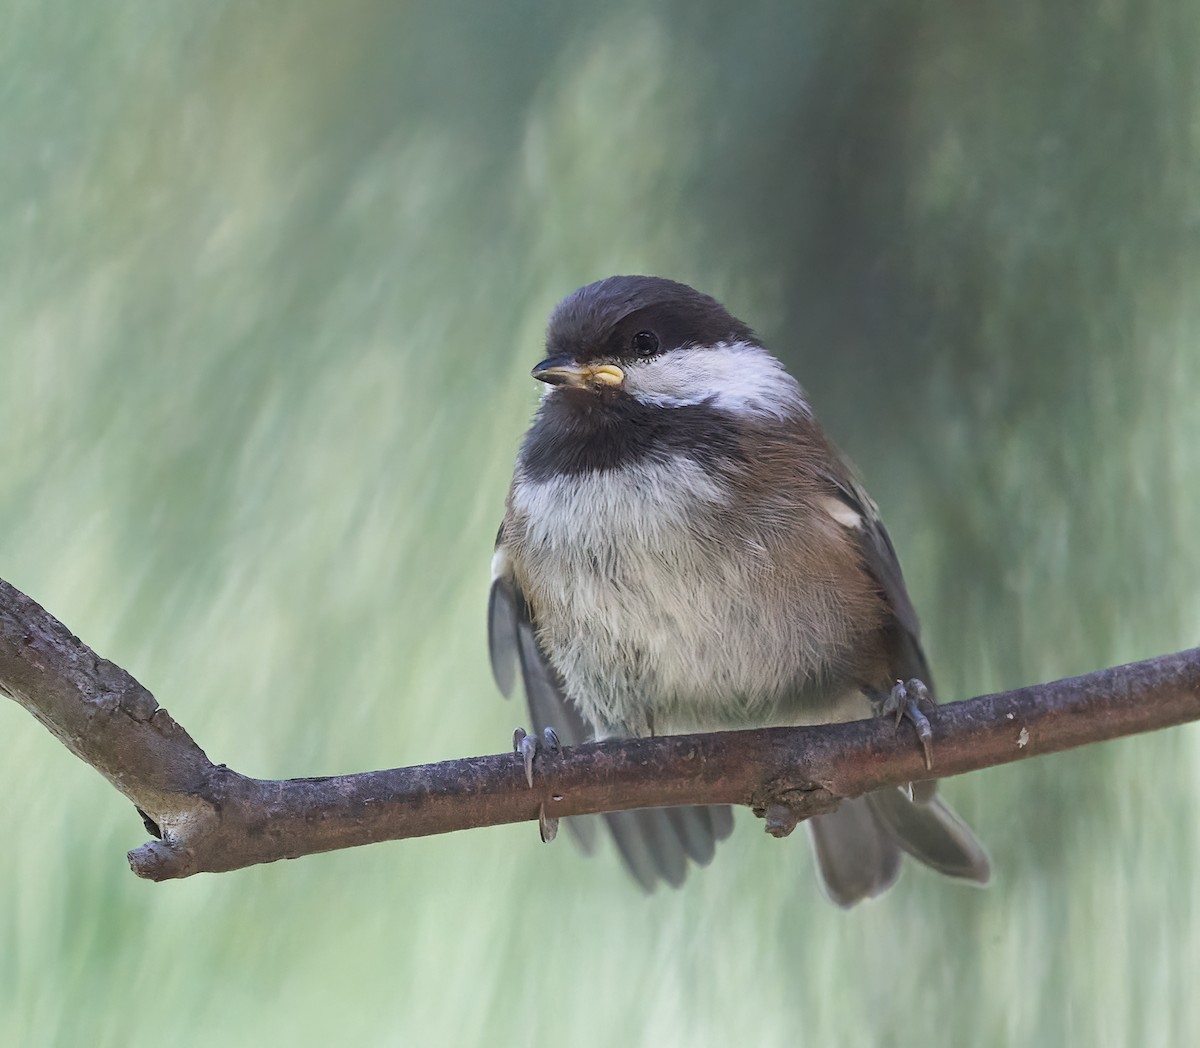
<point>683,550</point>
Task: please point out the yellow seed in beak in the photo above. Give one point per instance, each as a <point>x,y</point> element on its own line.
<point>607,375</point>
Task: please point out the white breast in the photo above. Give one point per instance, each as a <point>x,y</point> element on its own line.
<point>654,622</point>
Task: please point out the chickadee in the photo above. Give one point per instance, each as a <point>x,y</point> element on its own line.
<point>684,551</point>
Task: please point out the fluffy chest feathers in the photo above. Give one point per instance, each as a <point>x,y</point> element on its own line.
<point>668,601</point>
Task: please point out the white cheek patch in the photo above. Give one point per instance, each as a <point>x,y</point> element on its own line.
<point>738,377</point>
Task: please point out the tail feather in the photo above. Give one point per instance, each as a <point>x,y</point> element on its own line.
<point>856,858</point>
<point>656,843</point>
<point>932,833</point>
<point>858,846</point>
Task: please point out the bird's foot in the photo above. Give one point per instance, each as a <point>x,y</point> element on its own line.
<point>529,746</point>
<point>908,700</point>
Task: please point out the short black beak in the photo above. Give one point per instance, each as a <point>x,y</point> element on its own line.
<point>563,371</point>
<point>559,371</point>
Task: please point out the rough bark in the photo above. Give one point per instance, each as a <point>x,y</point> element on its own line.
<point>213,819</point>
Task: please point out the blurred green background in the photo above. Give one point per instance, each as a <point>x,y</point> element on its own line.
<point>272,276</point>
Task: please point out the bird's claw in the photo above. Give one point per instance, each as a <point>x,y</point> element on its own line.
<point>905,702</point>
<point>547,827</point>
<point>529,746</point>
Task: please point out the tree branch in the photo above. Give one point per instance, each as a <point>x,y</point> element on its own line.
<point>213,819</point>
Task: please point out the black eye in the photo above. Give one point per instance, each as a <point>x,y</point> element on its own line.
<point>645,343</point>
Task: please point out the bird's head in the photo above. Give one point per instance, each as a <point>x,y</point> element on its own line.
<point>662,345</point>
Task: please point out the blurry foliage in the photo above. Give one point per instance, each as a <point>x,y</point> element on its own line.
<point>273,275</point>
